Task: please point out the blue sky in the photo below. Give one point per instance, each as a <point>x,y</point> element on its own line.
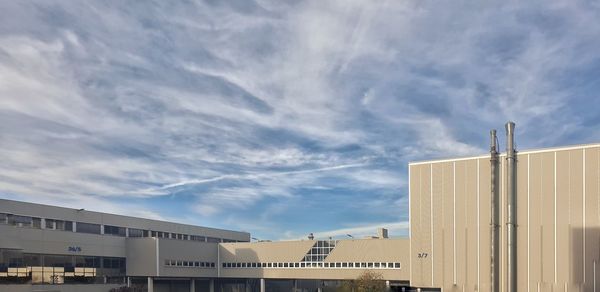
<point>279,117</point>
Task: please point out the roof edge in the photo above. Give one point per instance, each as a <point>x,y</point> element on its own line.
<point>527,151</point>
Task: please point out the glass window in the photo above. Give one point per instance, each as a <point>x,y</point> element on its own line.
<point>24,221</point>
<point>376,265</point>
<point>3,218</point>
<point>50,224</point>
<point>135,232</point>
<point>397,265</point>
<point>36,222</point>
<point>212,265</point>
<point>213,239</point>
<point>113,230</point>
<point>197,238</point>
<point>88,228</point>
<point>344,265</point>
<point>66,225</point>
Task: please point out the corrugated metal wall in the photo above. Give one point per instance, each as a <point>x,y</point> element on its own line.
<point>558,218</point>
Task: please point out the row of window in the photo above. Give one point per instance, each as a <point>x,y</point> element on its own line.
<point>189,264</point>
<point>354,265</point>
<point>91,228</point>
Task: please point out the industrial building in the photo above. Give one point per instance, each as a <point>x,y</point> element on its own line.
<point>549,198</point>
<point>513,221</point>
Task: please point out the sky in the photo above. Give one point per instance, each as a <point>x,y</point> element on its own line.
<point>279,118</point>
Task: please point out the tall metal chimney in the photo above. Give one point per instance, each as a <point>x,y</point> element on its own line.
<point>511,192</point>
<point>494,218</point>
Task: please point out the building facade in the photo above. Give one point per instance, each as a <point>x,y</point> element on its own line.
<point>46,248</point>
<point>455,243</point>
<point>557,221</point>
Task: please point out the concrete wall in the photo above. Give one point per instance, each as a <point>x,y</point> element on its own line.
<point>187,251</point>
<point>52,212</point>
<point>558,221</point>
<point>141,257</point>
<point>44,241</point>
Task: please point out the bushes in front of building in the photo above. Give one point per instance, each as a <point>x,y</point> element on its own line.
<point>368,281</point>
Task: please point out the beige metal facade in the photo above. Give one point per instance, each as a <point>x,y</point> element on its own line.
<point>558,221</point>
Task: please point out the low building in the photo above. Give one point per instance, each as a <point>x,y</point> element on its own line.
<point>47,248</point>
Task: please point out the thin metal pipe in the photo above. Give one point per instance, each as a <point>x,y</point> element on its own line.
<point>494,203</point>
<point>511,224</point>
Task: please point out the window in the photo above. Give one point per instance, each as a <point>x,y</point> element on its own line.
<point>397,265</point>
<point>213,239</point>
<point>114,230</point>
<point>68,226</point>
<point>133,232</point>
<point>50,224</point>
<point>36,222</point>
<point>197,238</point>
<point>21,221</point>
<point>58,225</point>
<point>88,228</point>
<point>377,265</point>
<point>344,265</point>
<point>3,218</point>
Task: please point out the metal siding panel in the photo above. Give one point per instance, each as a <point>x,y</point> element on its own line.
<point>562,216</point>
<point>438,224</point>
<point>415,223</point>
<point>522,227</point>
<point>425,245</point>
<point>592,242</point>
<point>535,193</point>
<point>576,215</point>
<point>461,224</point>
<point>471,225</point>
<point>448,215</point>
<point>484,223</point>
<point>547,205</point>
